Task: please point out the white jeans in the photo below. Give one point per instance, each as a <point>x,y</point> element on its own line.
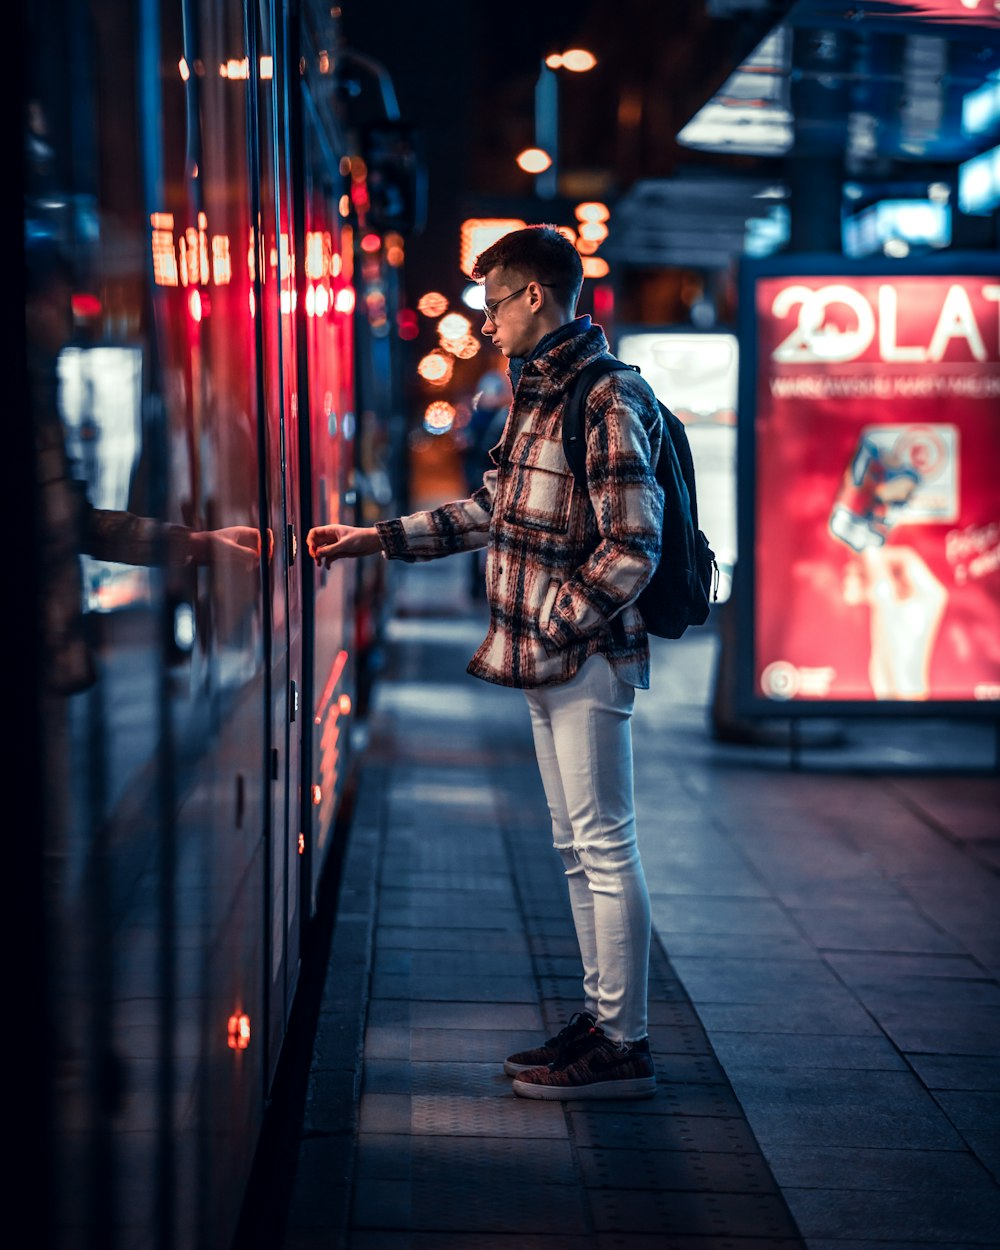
<point>583,741</point>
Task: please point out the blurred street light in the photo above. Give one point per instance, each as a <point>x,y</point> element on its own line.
<point>534,160</point>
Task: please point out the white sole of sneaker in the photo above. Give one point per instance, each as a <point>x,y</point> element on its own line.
<point>635,1087</point>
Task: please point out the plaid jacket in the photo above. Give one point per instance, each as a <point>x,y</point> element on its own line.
<point>561,561</point>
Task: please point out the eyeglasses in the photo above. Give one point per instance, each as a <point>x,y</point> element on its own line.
<point>491,306</point>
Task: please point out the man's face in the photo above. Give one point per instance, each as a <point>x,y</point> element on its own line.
<point>512,325</point>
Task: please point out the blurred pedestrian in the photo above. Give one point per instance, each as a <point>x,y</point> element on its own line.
<point>562,564</point>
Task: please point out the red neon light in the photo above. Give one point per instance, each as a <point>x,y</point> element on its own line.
<point>239,1031</point>
<point>336,669</point>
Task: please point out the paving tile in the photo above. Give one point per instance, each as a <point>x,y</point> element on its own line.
<point>568,989</point>
<point>935,1216</point>
<point>486,876</point>
<point>975,1072</point>
<point>410,938</point>
<point>454,1116</point>
<point>402,894</point>
<point>673,1212</point>
<point>697,1099</point>
<point>941,1030</point>
<point>442,988</point>
<point>875,967</point>
<point>985,1147</point>
<point>615,1129</point>
<point>675,1169</point>
<point>673,1015</point>
<point>796,1050</point>
<point>448,1203</point>
<point>484,920</point>
<point>466,1080</point>
<point>918,994</point>
<point>387,1239</point>
<point>687,1068</point>
<point>469,1045</point>
<point>897,927</point>
<point>466,962</point>
<point>721,980</point>
<point>793,1016</point>
<point>384,1113</point>
<point>387,1042</point>
<point>679,1241</point>
<point>440,1015</point>
<point>734,880</point>
<point>857,1168</point>
<point>735,945</point>
<point>977,1112</point>
<point>813,1107</point>
<point>503,1162</point>
<point>700,914</point>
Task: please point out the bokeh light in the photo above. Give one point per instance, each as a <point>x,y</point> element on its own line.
<point>534,160</point>
<point>433,304</point>
<point>436,368</point>
<point>439,417</point>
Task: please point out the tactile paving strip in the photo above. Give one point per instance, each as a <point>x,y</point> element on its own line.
<point>676,1169</point>
<point>696,1100</point>
<point>672,1212</point>
<point>612,1129</point>
<point>688,1069</point>
<point>486,1117</point>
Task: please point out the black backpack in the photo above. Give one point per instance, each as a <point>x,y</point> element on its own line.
<point>686,580</point>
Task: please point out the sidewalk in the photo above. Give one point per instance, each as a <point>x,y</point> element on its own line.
<point>825,1010</point>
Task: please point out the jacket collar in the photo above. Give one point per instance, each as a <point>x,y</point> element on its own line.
<point>561,354</point>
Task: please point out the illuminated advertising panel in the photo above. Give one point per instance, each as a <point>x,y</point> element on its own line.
<point>870,486</point>
<point>695,375</point>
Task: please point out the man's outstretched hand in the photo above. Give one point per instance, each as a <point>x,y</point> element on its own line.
<point>327,543</point>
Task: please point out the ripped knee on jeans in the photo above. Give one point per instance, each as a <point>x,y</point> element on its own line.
<point>570,856</point>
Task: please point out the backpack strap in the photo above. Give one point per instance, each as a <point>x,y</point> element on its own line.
<point>574,427</point>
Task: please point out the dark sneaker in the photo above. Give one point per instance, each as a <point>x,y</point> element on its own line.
<point>579,1026</point>
<point>593,1067</point>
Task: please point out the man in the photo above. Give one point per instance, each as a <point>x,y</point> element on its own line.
<point>562,563</point>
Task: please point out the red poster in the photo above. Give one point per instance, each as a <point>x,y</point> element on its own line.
<point>877,489</point>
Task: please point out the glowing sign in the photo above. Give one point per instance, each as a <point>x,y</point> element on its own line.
<point>479,233</point>
<point>874,502</point>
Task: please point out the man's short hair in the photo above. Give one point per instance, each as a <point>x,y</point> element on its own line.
<point>538,253</point>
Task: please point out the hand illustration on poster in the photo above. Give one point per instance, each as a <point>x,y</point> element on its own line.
<point>907,603</point>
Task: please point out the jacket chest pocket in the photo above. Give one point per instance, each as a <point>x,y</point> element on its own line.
<point>541,485</point>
